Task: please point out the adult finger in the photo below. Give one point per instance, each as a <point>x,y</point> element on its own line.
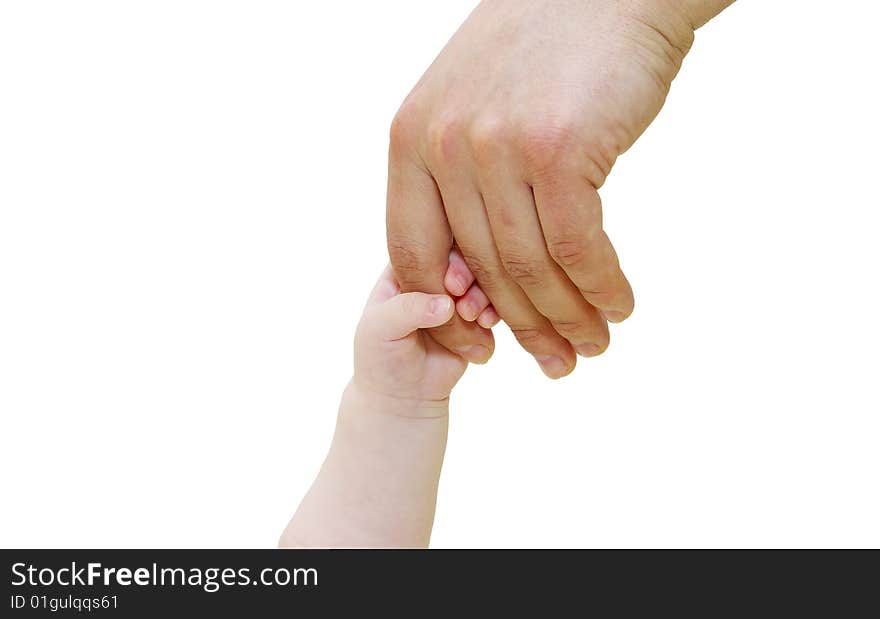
<point>520,240</point>
<point>419,240</point>
<point>570,212</point>
<point>470,225</point>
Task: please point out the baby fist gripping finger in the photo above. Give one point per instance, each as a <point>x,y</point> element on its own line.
<point>458,276</point>
<point>395,355</point>
<point>392,315</point>
<point>472,304</point>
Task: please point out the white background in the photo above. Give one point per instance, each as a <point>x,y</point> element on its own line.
<point>192,213</point>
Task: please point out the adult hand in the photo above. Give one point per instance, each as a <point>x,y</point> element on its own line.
<point>501,148</point>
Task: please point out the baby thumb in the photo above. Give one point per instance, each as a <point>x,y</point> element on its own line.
<point>405,313</point>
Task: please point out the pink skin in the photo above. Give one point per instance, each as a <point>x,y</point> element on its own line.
<point>472,304</point>
<point>458,276</point>
<point>488,318</point>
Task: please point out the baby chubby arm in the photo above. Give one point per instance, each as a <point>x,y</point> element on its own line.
<point>378,484</point>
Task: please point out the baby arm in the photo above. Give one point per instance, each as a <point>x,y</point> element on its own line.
<point>378,485</point>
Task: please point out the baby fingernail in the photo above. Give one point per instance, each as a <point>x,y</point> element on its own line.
<point>587,350</point>
<point>440,306</point>
<point>466,311</point>
<point>553,367</point>
<point>487,319</point>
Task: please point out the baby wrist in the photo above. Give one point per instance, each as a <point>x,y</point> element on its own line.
<point>361,398</point>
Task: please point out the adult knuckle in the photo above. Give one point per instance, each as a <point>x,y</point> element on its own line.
<point>527,336</point>
<point>567,252</point>
<point>546,147</point>
<point>408,259</point>
<point>596,290</point>
<point>445,138</point>
<point>487,272</point>
<point>581,332</point>
<point>488,137</point>
<point>569,329</point>
<point>404,127</point>
<point>604,281</point>
<point>524,270</point>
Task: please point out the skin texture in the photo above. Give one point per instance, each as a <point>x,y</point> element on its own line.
<point>378,484</point>
<point>500,149</point>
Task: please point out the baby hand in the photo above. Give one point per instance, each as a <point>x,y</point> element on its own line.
<point>378,484</point>
<point>393,357</point>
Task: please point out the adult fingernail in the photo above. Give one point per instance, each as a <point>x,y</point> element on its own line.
<point>587,350</point>
<point>614,316</point>
<point>475,354</point>
<point>553,367</point>
<point>440,306</point>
